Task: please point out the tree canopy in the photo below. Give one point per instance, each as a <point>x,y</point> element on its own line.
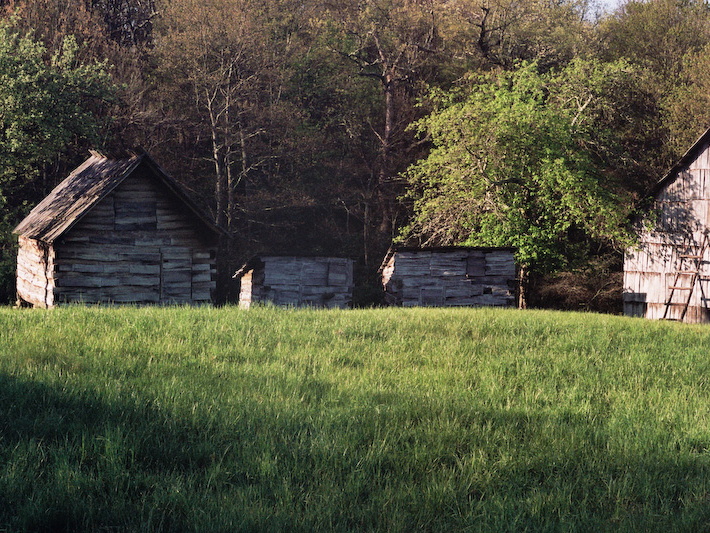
<point>50,106</point>
<point>520,159</point>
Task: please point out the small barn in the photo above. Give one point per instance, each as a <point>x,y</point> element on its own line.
<point>667,275</point>
<point>116,230</point>
<point>449,276</point>
<point>296,281</point>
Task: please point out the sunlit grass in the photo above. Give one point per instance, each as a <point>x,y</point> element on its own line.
<point>389,420</point>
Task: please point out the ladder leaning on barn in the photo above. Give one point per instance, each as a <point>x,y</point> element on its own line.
<point>690,261</point>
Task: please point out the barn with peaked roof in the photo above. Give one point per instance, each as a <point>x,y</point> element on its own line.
<point>116,230</point>
<point>667,275</point>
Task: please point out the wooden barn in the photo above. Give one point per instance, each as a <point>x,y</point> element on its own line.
<point>449,276</point>
<point>296,281</point>
<point>117,230</point>
<point>667,275</point>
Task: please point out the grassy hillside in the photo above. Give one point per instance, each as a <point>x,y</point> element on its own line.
<point>388,420</point>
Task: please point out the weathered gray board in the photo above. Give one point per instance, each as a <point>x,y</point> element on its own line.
<point>455,276</point>
<point>680,215</point>
<point>137,244</point>
<point>297,281</point>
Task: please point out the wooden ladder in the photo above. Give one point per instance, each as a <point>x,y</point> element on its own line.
<point>688,268</point>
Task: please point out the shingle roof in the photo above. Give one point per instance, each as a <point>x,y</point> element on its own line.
<point>90,182</point>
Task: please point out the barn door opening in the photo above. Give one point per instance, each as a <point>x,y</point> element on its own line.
<point>176,275</point>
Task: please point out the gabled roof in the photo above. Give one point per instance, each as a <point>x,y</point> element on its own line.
<point>88,184</point>
<point>687,158</point>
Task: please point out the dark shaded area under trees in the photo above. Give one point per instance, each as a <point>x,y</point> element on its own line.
<point>295,122</point>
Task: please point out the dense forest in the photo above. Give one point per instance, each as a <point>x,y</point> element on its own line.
<point>337,126</point>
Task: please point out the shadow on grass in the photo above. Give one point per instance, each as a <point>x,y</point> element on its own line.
<point>72,462</point>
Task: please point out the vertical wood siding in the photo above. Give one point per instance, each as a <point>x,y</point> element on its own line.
<point>679,216</point>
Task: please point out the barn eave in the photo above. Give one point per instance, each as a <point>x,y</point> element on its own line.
<point>686,159</point>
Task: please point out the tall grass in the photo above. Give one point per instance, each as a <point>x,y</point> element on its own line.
<point>178,419</point>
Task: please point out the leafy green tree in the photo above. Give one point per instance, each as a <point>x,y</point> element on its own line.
<point>48,106</point>
<point>687,107</point>
<point>657,34</point>
<point>44,107</point>
<point>520,159</point>
<point>668,41</point>
<point>117,32</point>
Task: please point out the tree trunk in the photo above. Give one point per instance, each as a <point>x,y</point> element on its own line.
<point>523,285</point>
<point>221,187</point>
<point>385,195</point>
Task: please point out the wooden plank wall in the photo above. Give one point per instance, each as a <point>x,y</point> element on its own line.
<point>680,215</point>
<point>35,273</point>
<point>299,281</point>
<point>137,245</point>
<point>450,278</point>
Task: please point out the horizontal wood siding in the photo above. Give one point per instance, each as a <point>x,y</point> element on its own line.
<point>137,245</point>
<point>299,281</point>
<point>35,272</point>
<point>475,277</point>
<point>679,217</point>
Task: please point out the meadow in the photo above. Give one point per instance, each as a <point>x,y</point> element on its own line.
<point>204,419</point>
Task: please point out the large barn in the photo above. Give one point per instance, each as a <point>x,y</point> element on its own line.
<point>667,275</point>
<point>117,230</point>
<point>298,281</point>
<point>449,276</point>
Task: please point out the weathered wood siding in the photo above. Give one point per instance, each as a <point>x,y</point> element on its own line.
<point>454,277</point>
<point>35,272</point>
<point>137,245</point>
<point>680,215</point>
<point>299,281</point>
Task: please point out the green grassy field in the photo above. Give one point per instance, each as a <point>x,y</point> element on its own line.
<point>206,419</point>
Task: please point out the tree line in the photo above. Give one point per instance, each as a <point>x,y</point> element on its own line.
<point>338,126</point>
